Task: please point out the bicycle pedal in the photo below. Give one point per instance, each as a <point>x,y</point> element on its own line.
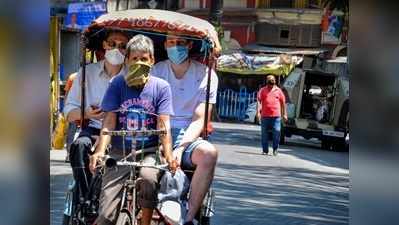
<point>156,217</point>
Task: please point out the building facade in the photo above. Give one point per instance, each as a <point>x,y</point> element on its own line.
<point>272,22</point>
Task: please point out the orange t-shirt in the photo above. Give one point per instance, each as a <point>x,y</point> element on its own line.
<point>271,100</point>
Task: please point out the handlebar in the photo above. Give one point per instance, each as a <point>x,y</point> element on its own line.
<point>133,133</point>
<point>110,162</point>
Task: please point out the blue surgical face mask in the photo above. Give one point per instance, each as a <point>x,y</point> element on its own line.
<point>177,54</point>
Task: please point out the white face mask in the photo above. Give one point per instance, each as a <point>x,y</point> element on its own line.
<point>114,56</point>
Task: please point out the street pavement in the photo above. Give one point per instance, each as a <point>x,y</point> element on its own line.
<point>302,185</point>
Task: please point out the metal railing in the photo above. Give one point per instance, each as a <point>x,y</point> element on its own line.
<point>233,105</point>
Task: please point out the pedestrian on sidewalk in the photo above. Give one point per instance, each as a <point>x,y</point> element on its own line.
<point>271,108</point>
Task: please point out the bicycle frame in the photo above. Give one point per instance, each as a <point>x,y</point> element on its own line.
<point>129,193</point>
<point>86,206</point>
<point>128,203</point>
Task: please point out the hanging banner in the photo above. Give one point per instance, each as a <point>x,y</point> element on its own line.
<point>80,15</point>
<point>331,25</point>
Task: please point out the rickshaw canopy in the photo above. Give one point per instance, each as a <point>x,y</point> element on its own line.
<point>156,24</point>
<point>153,21</point>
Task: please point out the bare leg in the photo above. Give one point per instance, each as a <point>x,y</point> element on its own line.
<point>146,216</point>
<point>147,190</point>
<point>204,157</point>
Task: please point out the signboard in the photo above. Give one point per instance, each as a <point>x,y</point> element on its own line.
<point>332,24</point>
<point>80,15</point>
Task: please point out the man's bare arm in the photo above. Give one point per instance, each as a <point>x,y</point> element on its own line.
<point>193,131</point>
<point>197,124</point>
<point>258,109</point>
<point>109,124</point>
<point>166,140</point>
<point>283,110</point>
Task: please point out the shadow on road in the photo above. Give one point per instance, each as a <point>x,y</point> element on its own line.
<point>236,137</point>
<point>250,153</point>
<point>259,195</point>
<point>310,152</point>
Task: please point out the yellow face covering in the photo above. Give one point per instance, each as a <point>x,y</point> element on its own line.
<point>138,74</point>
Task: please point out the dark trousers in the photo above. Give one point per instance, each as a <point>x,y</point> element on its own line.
<point>79,158</point>
<point>273,124</point>
<point>72,128</point>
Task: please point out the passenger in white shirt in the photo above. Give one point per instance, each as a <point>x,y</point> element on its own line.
<point>188,80</point>
<point>98,76</point>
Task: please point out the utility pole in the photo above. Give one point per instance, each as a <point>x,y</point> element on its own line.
<point>216,13</point>
<point>172,5</point>
<point>215,17</point>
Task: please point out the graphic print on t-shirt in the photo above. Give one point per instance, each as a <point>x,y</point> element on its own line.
<point>155,98</point>
<point>134,116</point>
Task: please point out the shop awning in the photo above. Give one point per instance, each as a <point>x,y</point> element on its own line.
<point>259,64</point>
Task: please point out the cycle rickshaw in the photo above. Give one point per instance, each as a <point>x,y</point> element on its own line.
<point>156,24</point>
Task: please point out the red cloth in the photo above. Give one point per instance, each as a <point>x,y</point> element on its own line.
<point>271,100</point>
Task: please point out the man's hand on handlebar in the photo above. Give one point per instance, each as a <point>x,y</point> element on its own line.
<point>177,154</point>
<point>173,165</point>
<point>94,159</point>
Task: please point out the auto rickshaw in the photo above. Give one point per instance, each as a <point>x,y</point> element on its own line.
<point>156,24</point>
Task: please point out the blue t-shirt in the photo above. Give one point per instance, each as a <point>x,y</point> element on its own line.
<point>155,98</point>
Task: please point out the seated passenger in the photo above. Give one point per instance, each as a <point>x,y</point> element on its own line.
<point>188,81</point>
<point>98,76</point>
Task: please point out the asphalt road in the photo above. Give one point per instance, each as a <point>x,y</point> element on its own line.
<point>302,185</point>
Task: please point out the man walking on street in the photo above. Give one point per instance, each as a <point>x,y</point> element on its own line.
<point>271,107</point>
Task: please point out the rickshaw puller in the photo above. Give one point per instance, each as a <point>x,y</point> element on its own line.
<point>136,90</point>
